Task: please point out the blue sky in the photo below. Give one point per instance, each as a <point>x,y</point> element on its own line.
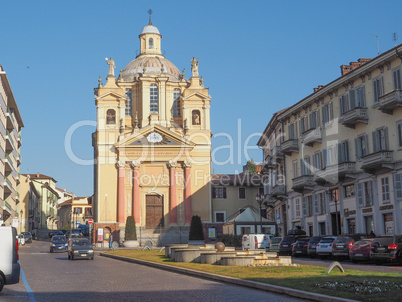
<point>257,57</point>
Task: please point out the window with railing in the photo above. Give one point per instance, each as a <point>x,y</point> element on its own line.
<point>380,139</point>
<point>378,89</point>
<point>396,77</point>
<point>343,152</point>
<point>327,113</point>
<point>385,189</point>
<point>357,98</point>
<point>361,146</point>
<point>364,193</point>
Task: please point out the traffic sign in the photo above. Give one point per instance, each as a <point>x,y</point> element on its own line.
<point>90,221</point>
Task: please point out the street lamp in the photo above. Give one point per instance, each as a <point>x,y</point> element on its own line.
<point>334,196</point>
<point>260,198</point>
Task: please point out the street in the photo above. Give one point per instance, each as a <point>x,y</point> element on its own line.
<point>52,277</point>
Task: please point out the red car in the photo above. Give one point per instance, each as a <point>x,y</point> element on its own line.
<point>360,251</point>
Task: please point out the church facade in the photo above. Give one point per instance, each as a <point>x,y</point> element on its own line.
<point>152,145</point>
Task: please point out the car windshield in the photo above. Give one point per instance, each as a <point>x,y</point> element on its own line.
<point>80,242</point>
<point>315,239</point>
<point>58,239</point>
<point>276,240</point>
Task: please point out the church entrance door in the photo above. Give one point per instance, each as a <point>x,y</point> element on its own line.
<point>154,211</point>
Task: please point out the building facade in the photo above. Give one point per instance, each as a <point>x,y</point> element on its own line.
<point>10,158</point>
<point>341,153</point>
<point>152,143</point>
<point>74,212</point>
<point>40,190</point>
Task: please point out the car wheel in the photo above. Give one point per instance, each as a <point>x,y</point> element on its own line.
<point>1,282</point>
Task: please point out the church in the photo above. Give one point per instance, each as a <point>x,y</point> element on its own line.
<point>152,145</point>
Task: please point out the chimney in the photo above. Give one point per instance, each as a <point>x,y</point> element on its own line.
<point>37,174</point>
<point>318,88</point>
<point>353,65</point>
<point>345,69</point>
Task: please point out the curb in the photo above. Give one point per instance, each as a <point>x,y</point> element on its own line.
<point>252,284</point>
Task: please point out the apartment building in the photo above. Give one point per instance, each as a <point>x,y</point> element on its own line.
<point>75,211</point>
<point>338,153</point>
<point>10,158</point>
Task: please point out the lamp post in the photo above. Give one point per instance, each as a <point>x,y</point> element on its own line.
<point>259,198</point>
<point>334,196</point>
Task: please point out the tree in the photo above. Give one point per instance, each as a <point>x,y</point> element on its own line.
<point>251,167</point>
<point>196,229</point>
<point>131,232</point>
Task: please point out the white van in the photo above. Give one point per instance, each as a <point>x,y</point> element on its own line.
<point>9,265</point>
<point>255,241</point>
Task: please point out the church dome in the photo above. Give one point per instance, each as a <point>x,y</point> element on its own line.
<point>150,29</point>
<point>153,67</point>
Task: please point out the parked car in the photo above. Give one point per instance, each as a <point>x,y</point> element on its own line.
<point>285,246</point>
<point>9,265</point>
<point>312,246</point>
<point>386,248</point>
<point>274,244</point>
<point>300,247</point>
<point>58,243</point>
<point>324,247</point>
<point>360,251</point>
<point>28,237</point>
<point>255,241</point>
<point>80,248</point>
<point>342,244</point>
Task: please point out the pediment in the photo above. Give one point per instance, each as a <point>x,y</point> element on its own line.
<point>154,136</point>
<point>110,95</point>
<point>196,95</point>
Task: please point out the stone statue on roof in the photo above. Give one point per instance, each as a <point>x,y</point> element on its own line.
<point>111,67</point>
<point>194,67</point>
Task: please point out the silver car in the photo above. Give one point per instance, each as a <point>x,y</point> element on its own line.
<point>324,247</point>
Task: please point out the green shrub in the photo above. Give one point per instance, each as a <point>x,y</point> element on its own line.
<point>230,240</point>
<point>196,230</point>
<point>131,232</point>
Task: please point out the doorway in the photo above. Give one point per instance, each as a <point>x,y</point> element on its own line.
<point>154,211</point>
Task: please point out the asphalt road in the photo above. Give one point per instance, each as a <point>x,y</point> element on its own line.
<point>52,277</point>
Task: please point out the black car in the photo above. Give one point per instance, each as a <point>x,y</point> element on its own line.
<point>80,248</point>
<point>58,243</point>
<point>300,247</point>
<point>386,248</point>
<point>342,244</point>
<point>285,247</point>
<point>312,246</point>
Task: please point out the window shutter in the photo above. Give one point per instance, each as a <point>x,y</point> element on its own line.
<point>376,93</point>
<point>304,206</point>
<point>375,143</point>
<point>398,186</point>
<point>347,150</point>
<point>324,160</point>
<point>331,111</point>
<point>224,192</point>
<point>381,88</point>
<point>318,117</point>
<point>213,192</point>
<point>386,138</point>
<point>359,194</point>
<point>366,145</point>
<point>340,107</point>
<point>323,114</point>
<point>316,204</point>
<point>352,98</point>
<point>296,133</point>
<point>363,99</point>
<point>290,131</point>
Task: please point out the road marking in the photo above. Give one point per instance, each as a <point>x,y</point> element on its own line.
<point>27,287</point>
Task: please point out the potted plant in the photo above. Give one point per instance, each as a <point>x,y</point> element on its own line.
<point>130,235</point>
<point>196,236</point>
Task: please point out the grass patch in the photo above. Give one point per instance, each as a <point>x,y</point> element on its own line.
<point>353,284</point>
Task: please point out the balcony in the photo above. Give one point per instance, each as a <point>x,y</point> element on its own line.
<point>379,160</point>
<point>289,146</point>
<point>268,164</point>
<point>390,101</point>
<point>279,192</point>
<point>354,116</point>
<point>10,119</point>
<point>18,159</point>
<point>7,207</point>
<point>334,173</point>
<point>9,141</point>
<point>8,163</point>
<point>19,140</point>
<point>269,201</point>
<point>312,136</point>
<point>8,187</point>
<point>304,182</point>
<point>277,154</point>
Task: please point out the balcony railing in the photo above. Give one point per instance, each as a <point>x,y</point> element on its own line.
<point>304,182</point>
<point>312,136</point>
<point>9,114</point>
<point>354,116</point>
<point>333,173</point>
<point>378,160</point>
<point>9,137</point>
<point>289,146</point>
<point>277,154</point>
<point>8,186</point>
<point>390,101</point>
<point>279,192</point>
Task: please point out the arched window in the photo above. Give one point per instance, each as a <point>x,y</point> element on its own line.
<point>110,117</point>
<point>196,117</point>
<point>151,43</point>
<point>176,102</point>
<point>154,98</point>
<point>129,102</point>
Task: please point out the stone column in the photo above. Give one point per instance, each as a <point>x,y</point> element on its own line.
<point>172,192</point>
<point>136,191</point>
<point>187,190</point>
<point>120,192</point>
